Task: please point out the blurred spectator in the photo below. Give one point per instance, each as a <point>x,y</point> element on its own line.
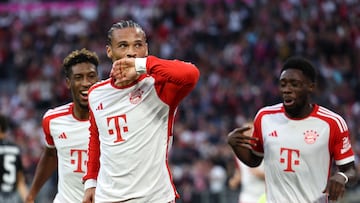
<point>238,46</point>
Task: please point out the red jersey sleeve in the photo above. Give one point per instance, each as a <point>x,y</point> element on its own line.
<point>258,134</point>
<point>174,79</point>
<point>46,128</point>
<point>340,144</point>
<point>339,141</point>
<point>93,163</point>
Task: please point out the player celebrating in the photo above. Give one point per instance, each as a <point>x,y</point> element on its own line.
<point>131,116</point>
<point>66,132</point>
<point>298,141</point>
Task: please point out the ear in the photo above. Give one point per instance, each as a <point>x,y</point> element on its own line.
<point>68,82</point>
<point>147,49</point>
<point>108,52</point>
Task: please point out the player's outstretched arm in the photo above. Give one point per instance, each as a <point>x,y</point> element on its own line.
<point>21,185</point>
<point>45,168</point>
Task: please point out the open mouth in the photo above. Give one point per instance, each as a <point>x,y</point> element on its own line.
<point>289,101</point>
<point>84,94</point>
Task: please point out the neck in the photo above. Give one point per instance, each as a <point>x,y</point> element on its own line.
<point>81,113</point>
<point>300,113</point>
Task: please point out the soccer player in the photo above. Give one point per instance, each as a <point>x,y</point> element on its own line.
<point>132,116</point>
<point>12,179</point>
<point>298,141</point>
<point>66,130</point>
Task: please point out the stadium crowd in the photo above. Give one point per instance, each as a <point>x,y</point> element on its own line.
<point>238,46</point>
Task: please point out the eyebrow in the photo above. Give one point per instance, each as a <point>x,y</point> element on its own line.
<point>129,42</point>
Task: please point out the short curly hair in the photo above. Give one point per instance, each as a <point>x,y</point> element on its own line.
<point>302,64</point>
<point>79,56</point>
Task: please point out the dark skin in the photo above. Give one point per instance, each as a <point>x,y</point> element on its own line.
<point>295,89</point>
<point>82,77</point>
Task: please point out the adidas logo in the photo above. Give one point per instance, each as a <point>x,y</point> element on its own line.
<point>273,134</point>
<point>100,107</point>
<point>62,136</point>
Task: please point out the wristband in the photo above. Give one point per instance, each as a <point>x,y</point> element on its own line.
<point>343,175</point>
<point>140,65</point>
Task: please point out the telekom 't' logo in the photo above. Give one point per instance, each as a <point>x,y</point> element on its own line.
<point>115,128</point>
<point>78,158</point>
<point>290,158</point>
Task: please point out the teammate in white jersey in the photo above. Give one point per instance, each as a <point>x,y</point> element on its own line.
<point>298,141</point>
<point>132,115</point>
<point>66,130</point>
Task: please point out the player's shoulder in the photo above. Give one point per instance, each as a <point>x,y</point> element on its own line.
<point>271,109</point>
<point>330,116</point>
<point>323,111</point>
<point>9,144</point>
<point>65,109</point>
<point>6,142</point>
<point>100,84</point>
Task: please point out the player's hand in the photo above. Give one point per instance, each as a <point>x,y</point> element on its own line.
<point>335,187</point>
<point>123,71</point>
<point>89,196</point>
<point>235,181</point>
<point>29,199</point>
<point>239,137</point>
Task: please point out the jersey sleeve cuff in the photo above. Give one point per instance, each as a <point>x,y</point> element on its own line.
<point>140,65</point>
<point>51,146</point>
<point>90,183</point>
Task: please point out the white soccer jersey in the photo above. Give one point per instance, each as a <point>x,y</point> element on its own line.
<point>133,127</point>
<point>70,137</point>
<point>298,154</point>
<point>252,187</point>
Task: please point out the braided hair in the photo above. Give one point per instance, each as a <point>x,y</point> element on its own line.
<point>120,25</point>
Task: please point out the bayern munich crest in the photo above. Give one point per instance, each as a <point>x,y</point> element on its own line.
<point>135,96</point>
<point>310,136</point>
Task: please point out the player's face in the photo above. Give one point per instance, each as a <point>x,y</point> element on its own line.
<point>295,89</point>
<point>127,42</point>
<point>83,76</point>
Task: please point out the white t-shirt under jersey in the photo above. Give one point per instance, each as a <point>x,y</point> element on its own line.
<point>298,154</point>
<point>70,137</point>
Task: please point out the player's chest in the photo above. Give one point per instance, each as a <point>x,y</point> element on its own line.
<point>107,100</point>
<point>73,136</point>
<point>307,135</point>
<point>130,107</point>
